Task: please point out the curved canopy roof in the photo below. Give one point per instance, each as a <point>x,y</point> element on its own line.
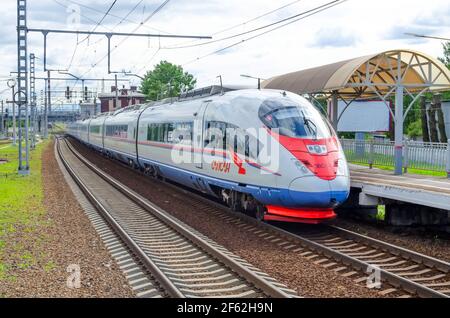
<point>368,75</point>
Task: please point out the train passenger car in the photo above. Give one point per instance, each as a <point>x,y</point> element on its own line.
<point>96,128</point>
<point>83,130</point>
<point>165,128</point>
<point>119,134</point>
<point>72,129</point>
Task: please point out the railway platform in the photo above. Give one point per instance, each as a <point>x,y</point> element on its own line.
<point>414,199</point>
<point>417,189</point>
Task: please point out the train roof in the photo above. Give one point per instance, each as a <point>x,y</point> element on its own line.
<point>201,93</point>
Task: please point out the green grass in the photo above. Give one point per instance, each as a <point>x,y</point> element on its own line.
<point>410,171</point>
<point>381,215</point>
<point>58,129</point>
<point>21,206</point>
<point>414,171</point>
<point>428,169</point>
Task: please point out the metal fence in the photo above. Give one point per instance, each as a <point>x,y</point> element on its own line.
<point>416,155</point>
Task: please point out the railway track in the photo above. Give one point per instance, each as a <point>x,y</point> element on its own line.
<point>403,269</point>
<point>179,261</point>
<point>346,252</point>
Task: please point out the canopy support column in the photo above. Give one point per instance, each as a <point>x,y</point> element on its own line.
<point>334,110</point>
<point>399,130</point>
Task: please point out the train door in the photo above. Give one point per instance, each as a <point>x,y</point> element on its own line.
<point>103,131</point>
<point>88,136</point>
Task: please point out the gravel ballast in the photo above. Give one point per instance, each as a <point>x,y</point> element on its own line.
<point>64,240</point>
<point>289,267</point>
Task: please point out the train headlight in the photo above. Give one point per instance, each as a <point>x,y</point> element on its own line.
<point>300,166</point>
<point>342,168</point>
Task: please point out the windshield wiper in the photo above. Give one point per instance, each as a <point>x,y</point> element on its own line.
<point>310,124</point>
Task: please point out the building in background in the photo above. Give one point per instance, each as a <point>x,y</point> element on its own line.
<point>125,97</point>
<point>89,109</point>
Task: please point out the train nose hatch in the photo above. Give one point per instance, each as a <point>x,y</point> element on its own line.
<point>311,192</point>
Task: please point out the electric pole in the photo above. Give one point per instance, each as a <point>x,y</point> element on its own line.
<point>1,122</point>
<point>117,92</point>
<point>12,84</point>
<point>47,106</point>
<point>22,86</point>
<point>33,99</point>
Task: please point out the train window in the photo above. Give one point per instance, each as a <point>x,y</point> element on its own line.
<point>221,135</point>
<point>117,131</point>
<point>297,121</point>
<point>183,133</point>
<point>152,132</point>
<point>245,144</point>
<point>170,132</point>
<point>95,130</point>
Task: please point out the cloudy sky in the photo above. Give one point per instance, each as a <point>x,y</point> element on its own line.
<point>350,29</point>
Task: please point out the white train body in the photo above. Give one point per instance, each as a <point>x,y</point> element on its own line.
<point>256,149</point>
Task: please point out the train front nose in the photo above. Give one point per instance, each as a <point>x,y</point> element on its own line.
<point>309,200</point>
<point>312,192</point>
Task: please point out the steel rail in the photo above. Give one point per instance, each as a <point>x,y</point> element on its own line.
<point>148,263</point>
<point>392,278</point>
<point>260,283</point>
<point>396,250</point>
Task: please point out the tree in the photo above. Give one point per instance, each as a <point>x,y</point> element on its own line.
<point>446,58</point>
<point>166,80</point>
<point>414,129</point>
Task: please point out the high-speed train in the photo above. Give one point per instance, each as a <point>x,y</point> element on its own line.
<point>267,153</point>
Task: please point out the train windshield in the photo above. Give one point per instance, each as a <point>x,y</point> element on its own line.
<point>296,121</point>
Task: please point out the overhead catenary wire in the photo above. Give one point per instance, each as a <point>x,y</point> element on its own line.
<point>102,19</point>
<point>228,29</point>
<point>98,23</point>
<point>302,16</point>
<point>248,21</point>
<point>120,22</point>
<point>125,18</point>
<point>109,13</point>
<point>255,29</point>
<point>258,17</point>
<point>149,61</point>
<point>151,15</point>
<point>307,13</point>
<point>77,42</point>
<point>428,36</point>
<point>81,14</point>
